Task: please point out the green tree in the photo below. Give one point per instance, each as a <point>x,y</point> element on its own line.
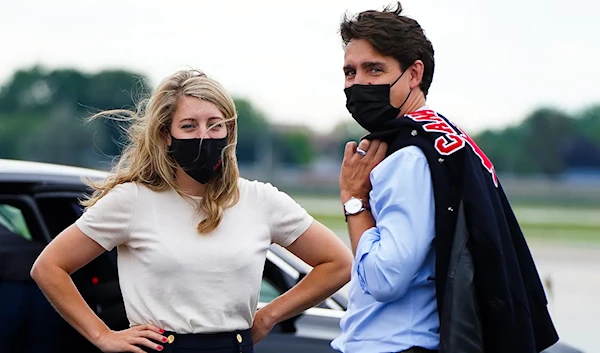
<point>294,147</point>
<point>253,132</point>
<point>588,123</point>
<point>342,133</point>
<point>547,134</point>
<point>42,114</point>
<point>544,143</point>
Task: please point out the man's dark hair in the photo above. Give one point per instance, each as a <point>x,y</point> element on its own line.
<point>393,35</point>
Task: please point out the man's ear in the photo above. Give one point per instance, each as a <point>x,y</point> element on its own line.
<point>416,73</point>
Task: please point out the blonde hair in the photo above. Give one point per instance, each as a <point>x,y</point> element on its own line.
<point>145,158</point>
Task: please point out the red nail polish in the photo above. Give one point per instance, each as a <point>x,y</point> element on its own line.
<point>164,339</point>
<point>162,331</point>
<point>160,348</point>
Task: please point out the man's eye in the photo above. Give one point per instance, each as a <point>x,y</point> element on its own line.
<point>376,70</point>
<point>349,73</point>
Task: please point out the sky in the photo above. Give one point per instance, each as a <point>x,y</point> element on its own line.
<point>495,61</point>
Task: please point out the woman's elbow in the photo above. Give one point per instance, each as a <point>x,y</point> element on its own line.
<point>36,270</point>
<point>344,267</point>
<point>336,269</point>
<point>40,269</point>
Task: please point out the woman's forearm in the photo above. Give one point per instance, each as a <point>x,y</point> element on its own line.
<point>58,287</point>
<point>324,280</point>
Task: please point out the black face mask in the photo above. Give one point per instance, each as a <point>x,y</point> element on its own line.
<point>370,104</point>
<point>199,158</point>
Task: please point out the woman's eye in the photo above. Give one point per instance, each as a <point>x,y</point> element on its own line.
<point>188,126</point>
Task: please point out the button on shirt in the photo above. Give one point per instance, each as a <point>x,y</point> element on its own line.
<point>392,302</point>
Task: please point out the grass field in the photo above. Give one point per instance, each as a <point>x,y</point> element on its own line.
<point>552,223</point>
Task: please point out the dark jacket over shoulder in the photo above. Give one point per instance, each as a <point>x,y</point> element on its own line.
<point>490,297</point>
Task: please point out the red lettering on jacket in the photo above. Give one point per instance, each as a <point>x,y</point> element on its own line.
<point>441,127</point>
<point>487,163</point>
<point>424,115</point>
<point>449,144</point>
<point>453,138</point>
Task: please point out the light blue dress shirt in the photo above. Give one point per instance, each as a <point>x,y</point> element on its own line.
<point>392,304</point>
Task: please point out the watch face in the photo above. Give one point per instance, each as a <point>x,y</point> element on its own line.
<point>353,206</point>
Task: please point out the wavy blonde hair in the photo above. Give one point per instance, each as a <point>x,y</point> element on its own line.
<point>145,158</point>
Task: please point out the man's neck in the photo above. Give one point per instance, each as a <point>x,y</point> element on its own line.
<point>414,102</point>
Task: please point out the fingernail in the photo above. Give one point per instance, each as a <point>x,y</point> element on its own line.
<point>162,331</point>
<point>164,339</point>
<point>160,348</point>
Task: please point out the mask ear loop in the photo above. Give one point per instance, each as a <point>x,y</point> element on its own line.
<point>399,77</point>
<point>401,105</point>
<point>409,92</point>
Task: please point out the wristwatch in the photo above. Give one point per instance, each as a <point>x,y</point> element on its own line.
<point>354,206</point>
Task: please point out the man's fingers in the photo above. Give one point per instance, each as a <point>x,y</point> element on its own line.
<point>350,149</point>
<point>373,145</point>
<point>364,145</point>
<point>381,151</point>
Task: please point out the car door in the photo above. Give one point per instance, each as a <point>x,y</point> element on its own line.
<point>97,281</point>
<point>311,331</point>
<point>28,320</point>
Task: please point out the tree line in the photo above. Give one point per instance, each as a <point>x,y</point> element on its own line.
<point>42,115</point>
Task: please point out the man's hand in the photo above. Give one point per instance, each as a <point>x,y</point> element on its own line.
<point>356,168</point>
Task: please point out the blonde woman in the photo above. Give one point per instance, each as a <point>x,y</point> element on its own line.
<point>192,236</point>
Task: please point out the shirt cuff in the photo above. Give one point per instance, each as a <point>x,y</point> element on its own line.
<point>368,239</point>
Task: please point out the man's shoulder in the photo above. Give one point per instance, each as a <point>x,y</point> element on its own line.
<point>410,150</point>
<point>406,154</point>
<point>404,159</point>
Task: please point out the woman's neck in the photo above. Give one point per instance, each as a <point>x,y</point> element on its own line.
<point>189,185</point>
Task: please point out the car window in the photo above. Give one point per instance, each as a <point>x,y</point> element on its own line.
<point>268,292</point>
<point>12,218</point>
<point>59,212</point>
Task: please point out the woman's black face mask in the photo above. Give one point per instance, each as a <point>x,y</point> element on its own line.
<point>199,158</point>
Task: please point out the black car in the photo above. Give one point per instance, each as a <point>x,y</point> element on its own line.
<point>38,200</point>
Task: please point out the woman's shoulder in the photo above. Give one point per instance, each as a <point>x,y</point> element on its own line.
<point>247,186</point>
<point>123,190</point>
<point>133,190</point>
<point>263,192</point>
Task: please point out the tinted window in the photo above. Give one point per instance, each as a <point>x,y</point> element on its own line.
<point>59,212</point>
<point>268,292</point>
<point>12,219</point>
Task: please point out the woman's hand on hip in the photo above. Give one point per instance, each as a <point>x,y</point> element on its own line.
<point>262,326</point>
<point>128,340</point>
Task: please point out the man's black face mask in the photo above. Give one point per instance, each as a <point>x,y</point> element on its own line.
<point>370,104</point>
